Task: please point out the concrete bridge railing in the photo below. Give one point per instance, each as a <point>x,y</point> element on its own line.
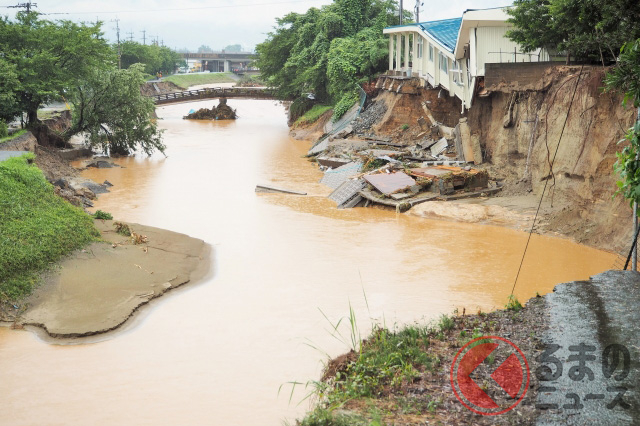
<point>216,92</point>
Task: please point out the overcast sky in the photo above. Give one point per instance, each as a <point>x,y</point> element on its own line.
<point>216,23</point>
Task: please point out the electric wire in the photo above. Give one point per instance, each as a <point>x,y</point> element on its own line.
<point>546,182</point>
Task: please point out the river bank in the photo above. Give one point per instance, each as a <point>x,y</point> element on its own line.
<point>97,288</point>
<point>578,200</point>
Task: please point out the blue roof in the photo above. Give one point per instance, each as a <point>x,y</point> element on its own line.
<point>444,31</point>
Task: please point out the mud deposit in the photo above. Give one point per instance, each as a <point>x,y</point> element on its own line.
<point>217,352</point>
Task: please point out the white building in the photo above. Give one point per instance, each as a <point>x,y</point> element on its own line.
<point>452,53</point>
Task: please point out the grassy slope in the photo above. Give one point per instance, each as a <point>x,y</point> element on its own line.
<point>15,135</point>
<point>187,80</point>
<point>313,114</point>
<point>36,227</point>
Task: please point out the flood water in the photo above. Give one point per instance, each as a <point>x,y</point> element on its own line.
<point>217,351</point>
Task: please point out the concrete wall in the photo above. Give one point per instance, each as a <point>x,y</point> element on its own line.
<point>517,75</point>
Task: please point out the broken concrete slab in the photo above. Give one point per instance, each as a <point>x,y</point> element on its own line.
<point>382,152</point>
<point>439,147</point>
<point>269,188</point>
<point>319,147</point>
<point>346,194</point>
<point>332,162</point>
<point>336,177</point>
<point>389,183</point>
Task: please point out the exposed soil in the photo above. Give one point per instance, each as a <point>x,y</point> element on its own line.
<point>149,89</point>
<point>578,193</point>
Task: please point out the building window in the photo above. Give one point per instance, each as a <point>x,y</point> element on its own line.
<point>443,62</point>
<point>456,71</point>
<point>431,53</point>
<point>420,45</point>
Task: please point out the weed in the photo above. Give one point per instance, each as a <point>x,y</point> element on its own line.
<point>404,127</point>
<point>327,417</point>
<point>37,229</point>
<point>99,214</point>
<point>313,114</point>
<point>446,323</point>
<point>122,229</point>
<point>513,304</point>
<point>13,136</point>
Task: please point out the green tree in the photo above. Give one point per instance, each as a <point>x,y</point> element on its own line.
<point>155,58</point>
<point>49,57</point>
<point>327,51</point>
<point>9,86</point>
<point>233,48</point>
<point>591,30</point>
<point>204,49</point>
<point>625,78</point>
<point>110,111</point>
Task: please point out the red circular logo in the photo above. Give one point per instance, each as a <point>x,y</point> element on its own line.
<point>492,361</point>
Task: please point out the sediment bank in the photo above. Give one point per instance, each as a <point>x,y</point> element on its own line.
<point>98,288</point>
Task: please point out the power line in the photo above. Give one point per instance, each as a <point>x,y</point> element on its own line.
<point>575,88</point>
<point>178,9</point>
<point>28,5</point>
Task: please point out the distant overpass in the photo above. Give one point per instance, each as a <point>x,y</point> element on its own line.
<point>220,61</point>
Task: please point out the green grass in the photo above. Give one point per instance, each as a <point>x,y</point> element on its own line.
<point>15,135</point>
<point>185,81</point>
<point>513,304</point>
<point>313,114</point>
<point>37,227</point>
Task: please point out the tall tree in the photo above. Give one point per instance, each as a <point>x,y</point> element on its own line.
<point>50,57</point>
<point>327,51</point>
<point>110,111</point>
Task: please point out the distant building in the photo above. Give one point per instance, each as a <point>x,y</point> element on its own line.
<point>452,53</point>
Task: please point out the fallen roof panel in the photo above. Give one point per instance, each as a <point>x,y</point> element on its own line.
<point>388,183</point>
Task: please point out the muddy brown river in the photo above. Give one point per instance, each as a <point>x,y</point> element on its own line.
<point>217,351</point>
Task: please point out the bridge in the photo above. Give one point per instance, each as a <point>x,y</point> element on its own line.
<point>215,92</point>
<point>220,61</point>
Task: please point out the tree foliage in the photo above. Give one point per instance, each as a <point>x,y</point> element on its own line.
<point>48,57</point>
<point>327,51</point>
<point>155,58</point>
<point>110,111</point>
<point>43,61</point>
<point>587,30</point>
<point>625,78</point>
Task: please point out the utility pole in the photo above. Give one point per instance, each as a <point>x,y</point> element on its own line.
<point>634,254</point>
<point>400,12</point>
<point>117,21</point>
<point>130,35</point>
<point>417,10</point>
<point>28,5</point>
<point>144,37</point>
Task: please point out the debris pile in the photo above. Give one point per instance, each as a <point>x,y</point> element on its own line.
<point>220,112</point>
<point>371,169</point>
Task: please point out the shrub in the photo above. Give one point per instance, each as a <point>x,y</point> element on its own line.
<point>99,214</point>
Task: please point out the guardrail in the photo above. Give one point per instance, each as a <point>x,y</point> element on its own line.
<point>216,92</point>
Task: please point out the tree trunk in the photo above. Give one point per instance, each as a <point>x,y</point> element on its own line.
<point>32,117</point>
